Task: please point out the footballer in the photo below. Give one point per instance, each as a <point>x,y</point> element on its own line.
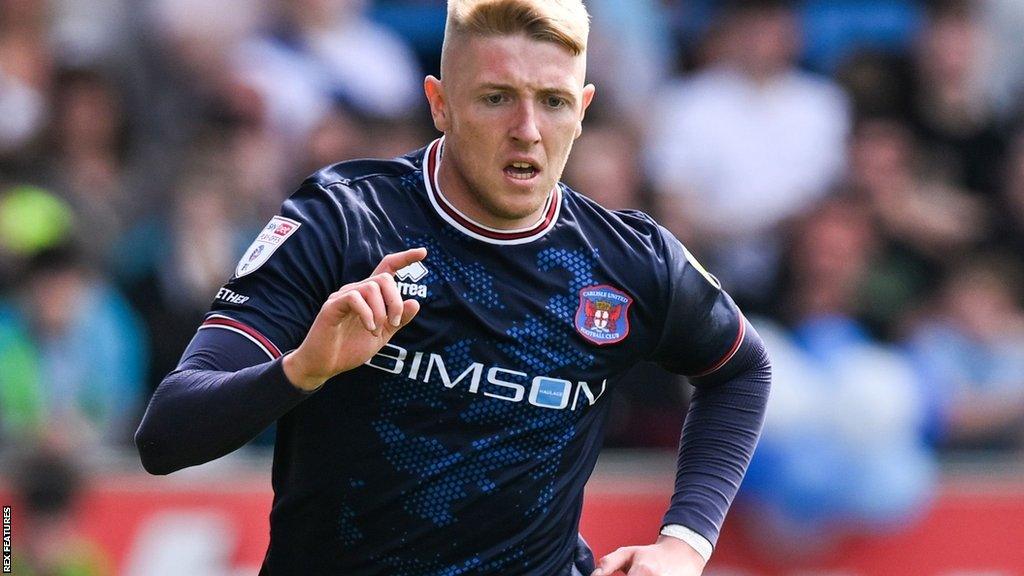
<point>437,337</point>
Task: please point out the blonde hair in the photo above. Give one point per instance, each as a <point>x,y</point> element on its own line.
<point>564,22</point>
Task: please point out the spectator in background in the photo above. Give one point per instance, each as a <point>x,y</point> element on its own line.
<point>952,116</point>
<point>922,220</point>
<point>172,267</point>
<point>971,353</point>
<point>606,163</point>
<point>31,219</point>
<point>879,83</point>
<point>85,348</point>
<point>842,450</point>
<point>344,134</point>
<point>630,54</point>
<point>744,145</point>
<point>86,159</point>
<point>256,164</point>
<point>26,59</point>
<point>317,53</point>
<point>337,136</point>
<point>188,46</point>
<point>831,250</point>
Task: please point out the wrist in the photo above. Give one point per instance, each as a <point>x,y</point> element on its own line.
<point>297,374</point>
<point>682,554</point>
<point>698,544</point>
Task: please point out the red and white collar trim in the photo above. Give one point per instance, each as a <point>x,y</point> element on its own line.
<point>465,224</point>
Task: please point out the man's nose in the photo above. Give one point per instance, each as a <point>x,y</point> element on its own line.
<point>524,128</point>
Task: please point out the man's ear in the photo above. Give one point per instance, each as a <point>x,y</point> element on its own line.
<point>588,97</point>
<point>434,90</point>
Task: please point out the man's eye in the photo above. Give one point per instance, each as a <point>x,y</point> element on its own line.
<point>495,98</point>
<point>556,102</point>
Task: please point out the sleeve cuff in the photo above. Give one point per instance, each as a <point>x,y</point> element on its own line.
<point>699,543</point>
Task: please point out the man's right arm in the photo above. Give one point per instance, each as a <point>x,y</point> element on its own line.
<point>223,393</point>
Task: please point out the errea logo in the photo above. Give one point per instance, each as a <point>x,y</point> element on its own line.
<point>412,274</point>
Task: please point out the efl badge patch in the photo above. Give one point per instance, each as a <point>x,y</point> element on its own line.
<point>270,239</point>
<point>603,314</point>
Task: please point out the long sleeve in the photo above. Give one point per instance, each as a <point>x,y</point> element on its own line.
<point>225,392</point>
<point>222,394</point>
<point>718,440</point>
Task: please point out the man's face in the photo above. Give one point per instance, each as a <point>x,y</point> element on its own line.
<point>767,41</point>
<point>510,108</point>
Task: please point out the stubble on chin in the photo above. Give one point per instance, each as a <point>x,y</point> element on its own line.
<point>513,211</point>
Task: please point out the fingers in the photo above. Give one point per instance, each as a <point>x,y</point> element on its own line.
<point>409,310</point>
<point>379,295</point>
<point>621,559</point>
<point>394,262</point>
<point>373,296</point>
<point>351,302</point>
<point>391,296</point>
<point>377,300</point>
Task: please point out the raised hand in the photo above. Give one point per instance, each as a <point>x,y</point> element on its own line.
<point>353,324</point>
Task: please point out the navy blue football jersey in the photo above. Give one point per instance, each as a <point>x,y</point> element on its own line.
<point>463,446</point>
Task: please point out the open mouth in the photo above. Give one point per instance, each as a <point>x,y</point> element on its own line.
<point>521,171</point>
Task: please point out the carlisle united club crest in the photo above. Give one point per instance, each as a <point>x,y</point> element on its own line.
<point>603,314</point>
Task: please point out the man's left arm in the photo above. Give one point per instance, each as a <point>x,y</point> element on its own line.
<point>721,430</point>
<point>707,338</point>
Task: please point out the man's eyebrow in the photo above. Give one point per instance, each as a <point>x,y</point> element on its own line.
<point>568,94</point>
<point>495,86</point>
<point>558,91</point>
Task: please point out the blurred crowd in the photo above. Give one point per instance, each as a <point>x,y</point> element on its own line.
<point>852,171</point>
